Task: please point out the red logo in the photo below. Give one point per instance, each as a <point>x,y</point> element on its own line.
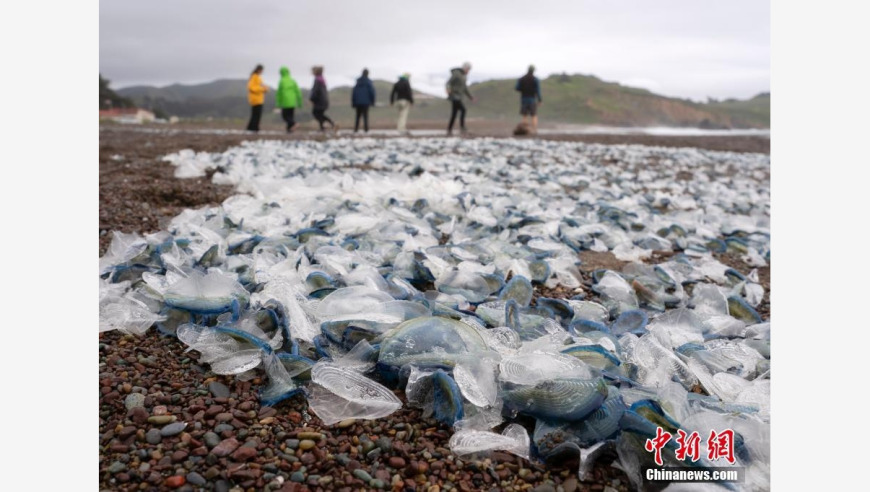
<point>658,443</point>
<point>721,445</point>
<point>689,445</point>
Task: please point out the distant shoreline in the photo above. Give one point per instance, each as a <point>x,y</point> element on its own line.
<point>757,141</point>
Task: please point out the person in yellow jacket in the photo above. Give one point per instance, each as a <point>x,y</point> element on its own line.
<point>256,93</point>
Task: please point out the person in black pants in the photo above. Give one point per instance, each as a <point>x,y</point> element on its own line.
<point>254,121</point>
<point>457,92</point>
<point>362,98</point>
<point>458,107</point>
<point>288,97</point>
<point>361,111</point>
<point>256,91</point>
<point>319,98</point>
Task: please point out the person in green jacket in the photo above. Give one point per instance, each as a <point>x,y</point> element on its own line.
<point>288,97</point>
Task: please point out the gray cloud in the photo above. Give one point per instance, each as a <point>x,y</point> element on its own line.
<point>680,48</point>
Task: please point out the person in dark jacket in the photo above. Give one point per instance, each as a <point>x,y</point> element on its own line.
<point>362,97</point>
<point>529,88</point>
<point>457,93</point>
<point>319,98</point>
<point>404,97</point>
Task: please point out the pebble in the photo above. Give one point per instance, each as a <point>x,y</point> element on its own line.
<point>244,453</point>
<point>153,436</point>
<point>267,412</point>
<point>134,400</point>
<point>316,436</point>
<point>396,462</point>
<point>117,467</point>
<point>385,444</point>
<point>196,479</point>
<point>292,443</point>
<point>138,415</point>
<point>306,444</point>
<point>223,428</point>
<point>373,454</point>
<point>173,429</point>
<point>570,485</point>
<point>325,480</point>
<point>377,483</point>
<point>218,390</point>
<point>213,410</point>
<point>544,488</point>
<point>346,423</point>
<point>362,475</point>
<point>421,467</point>
<point>147,361</point>
<point>161,419</point>
<point>127,431</point>
<point>297,477</point>
<point>211,439</point>
<point>226,447</point>
<point>174,481</point>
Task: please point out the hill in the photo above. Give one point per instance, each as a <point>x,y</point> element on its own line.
<point>223,98</point>
<point>751,112</point>
<point>572,99</point>
<point>111,99</point>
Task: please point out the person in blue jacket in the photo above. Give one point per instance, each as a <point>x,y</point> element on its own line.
<point>362,98</point>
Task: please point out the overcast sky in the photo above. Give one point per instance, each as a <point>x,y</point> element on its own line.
<point>683,48</point>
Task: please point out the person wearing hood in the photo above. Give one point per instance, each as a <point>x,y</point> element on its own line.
<point>362,97</point>
<point>288,97</point>
<point>319,98</point>
<point>403,96</point>
<point>457,93</point>
<point>256,96</point>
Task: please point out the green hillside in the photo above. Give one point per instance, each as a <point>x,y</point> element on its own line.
<point>111,99</point>
<point>217,89</point>
<point>751,112</point>
<point>224,98</point>
<point>571,99</point>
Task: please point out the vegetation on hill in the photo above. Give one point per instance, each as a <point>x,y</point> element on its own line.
<point>110,99</point>
<point>750,112</point>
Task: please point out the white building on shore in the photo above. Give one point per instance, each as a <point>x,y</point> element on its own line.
<point>127,115</point>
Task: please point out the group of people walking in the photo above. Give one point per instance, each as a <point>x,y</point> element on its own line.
<point>289,97</point>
